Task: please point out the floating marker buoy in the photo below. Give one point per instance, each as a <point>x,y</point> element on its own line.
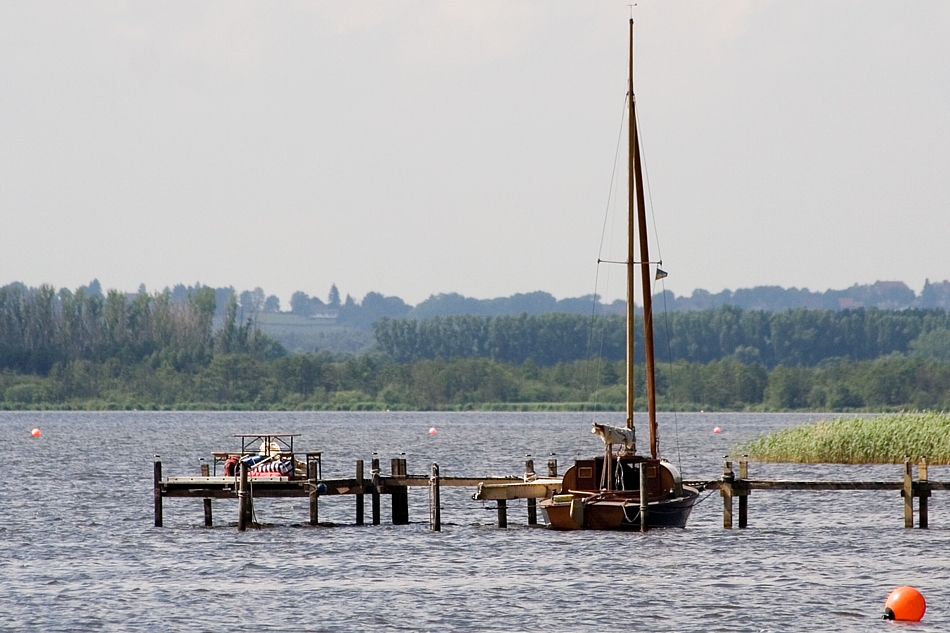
<point>717,430</point>
<point>36,433</point>
<point>432,431</point>
<point>905,603</point>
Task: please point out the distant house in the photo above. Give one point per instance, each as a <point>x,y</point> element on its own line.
<point>327,317</point>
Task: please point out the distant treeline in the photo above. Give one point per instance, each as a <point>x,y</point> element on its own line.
<point>883,295</point>
<point>793,338</point>
<point>41,328</point>
<point>85,349</point>
<point>321,381</point>
<point>351,313</point>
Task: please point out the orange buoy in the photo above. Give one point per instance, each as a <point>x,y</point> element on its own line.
<point>717,430</point>
<point>432,431</point>
<point>36,433</point>
<point>905,603</point>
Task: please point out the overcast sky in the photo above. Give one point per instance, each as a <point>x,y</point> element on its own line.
<point>413,147</point>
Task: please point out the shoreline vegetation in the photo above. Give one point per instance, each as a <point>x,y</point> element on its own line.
<point>84,350</point>
<point>243,381</point>
<point>885,439</point>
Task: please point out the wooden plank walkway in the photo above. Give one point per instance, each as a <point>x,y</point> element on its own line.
<point>730,485</point>
<point>499,489</point>
<point>227,487</point>
<point>816,485</point>
<point>245,489</point>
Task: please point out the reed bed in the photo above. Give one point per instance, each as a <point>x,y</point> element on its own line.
<point>885,439</point>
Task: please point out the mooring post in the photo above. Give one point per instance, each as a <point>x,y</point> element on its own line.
<point>725,490</point>
<point>435,501</point>
<point>242,497</point>
<point>374,473</point>
<point>359,495</point>
<point>502,513</point>
<point>399,494</point>
<point>529,475</point>
<point>742,491</point>
<point>157,479</point>
<point>908,493</point>
<point>552,465</point>
<point>923,492</point>
<point>404,492</point>
<point>312,476</point>
<point>644,498</point>
<point>206,472</point>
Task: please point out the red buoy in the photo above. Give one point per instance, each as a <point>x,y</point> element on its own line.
<point>717,430</point>
<point>432,431</point>
<point>36,433</point>
<point>905,603</point>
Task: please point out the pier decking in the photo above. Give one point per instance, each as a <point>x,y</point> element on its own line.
<point>396,484</point>
<point>500,489</point>
<point>730,485</point>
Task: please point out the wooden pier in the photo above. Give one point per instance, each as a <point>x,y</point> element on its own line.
<point>530,486</point>
<point>397,484</point>
<point>732,485</point>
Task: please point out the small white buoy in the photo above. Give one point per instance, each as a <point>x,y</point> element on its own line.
<point>432,431</point>
<point>717,430</point>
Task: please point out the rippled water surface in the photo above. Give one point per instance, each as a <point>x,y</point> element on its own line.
<point>80,551</point>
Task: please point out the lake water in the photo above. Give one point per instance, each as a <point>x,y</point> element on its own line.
<point>80,551</point>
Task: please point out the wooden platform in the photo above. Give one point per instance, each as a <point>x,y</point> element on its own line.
<point>817,485</point>
<point>519,489</point>
<point>730,485</point>
<point>227,487</point>
<point>499,489</point>
<point>245,489</point>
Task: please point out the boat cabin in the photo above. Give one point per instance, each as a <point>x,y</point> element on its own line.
<point>587,475</point>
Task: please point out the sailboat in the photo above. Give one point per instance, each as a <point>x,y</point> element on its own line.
<point>623,490</point>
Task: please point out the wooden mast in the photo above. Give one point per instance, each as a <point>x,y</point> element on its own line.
<point>645,277</point>
<point>631,238</point>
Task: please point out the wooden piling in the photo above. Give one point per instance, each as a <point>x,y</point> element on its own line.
<point>725,490</point>
<point>157,482</point>
<point>529,475</point>
<point>741,489</point>
<point>312,476</point>
<point>923,492</point>
<point>908,493</point>
<point>399,494</point>
<point>242,497</point>
<point>359,495</point>
<point>206,472</point>
<point>435,501</point>
<point>552,465</point>
<point>374,472</point>
<point>502,513</point>
<point>644,498</point>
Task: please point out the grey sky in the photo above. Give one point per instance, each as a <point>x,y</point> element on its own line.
<point>421,147</point>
